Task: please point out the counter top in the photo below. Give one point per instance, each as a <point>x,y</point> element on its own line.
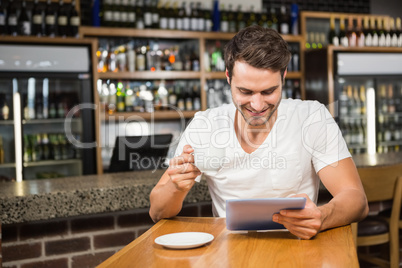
<point>367,160</point>
<point>64,197</point>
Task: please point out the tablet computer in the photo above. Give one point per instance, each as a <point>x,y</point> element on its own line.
<point>256,214</point>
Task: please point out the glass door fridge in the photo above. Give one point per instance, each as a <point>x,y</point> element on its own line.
<point>47,125</point>
<point>363,90</point>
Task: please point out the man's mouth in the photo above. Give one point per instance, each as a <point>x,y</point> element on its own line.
<point>254,113</point>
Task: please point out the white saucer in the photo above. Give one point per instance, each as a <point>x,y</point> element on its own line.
<point>184,240</point>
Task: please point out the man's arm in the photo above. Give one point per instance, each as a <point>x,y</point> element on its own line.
<point>168,194</point>
<point>349,203</point>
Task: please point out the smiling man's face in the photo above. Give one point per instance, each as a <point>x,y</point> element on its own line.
<point>256,93</point>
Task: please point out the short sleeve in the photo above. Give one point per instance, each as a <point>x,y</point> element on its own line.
<point>323,139</point>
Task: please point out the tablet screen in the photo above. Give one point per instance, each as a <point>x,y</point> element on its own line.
<point>256,214</point>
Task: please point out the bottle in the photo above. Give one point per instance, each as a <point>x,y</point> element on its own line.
<point>155,14</point>
<point>391,99</point>
<point>24,23</point>
<point>172,98</point>
<point>387,32</point>
<point>274,19</point>
<point>172,15</point>
<point>208,20</point>
<point>343,39</point>
<point>374,32</point>
<point>351,33</point>
<point>180,17</point>
<point>62,20</point>
<point>27,149</point>
<point>5,111</point>
<point>107,13</point>
<point>284,21</point>
<point>217,63</point>
<point>131,14</point>
<point>186,17</point>
<point>399,31</point>
<point>381,33</point>
<point>74,21</point>
<point>124,10</point>
<point>363,100</point>
<point>240,20</point>
<point>216,16</point>
<point>194,17</point>
<point>140,57</point>
<point>147,14</point>
<point>50,19</point>
<point>359,33</point>
<point>224,24</point>
<point>129,98</point>
<point>1,150</point>
<point>201,17</point>
<point>120,98</point>
<point>3,18</point>
<point>332,36</point>
<point>180,98</point>
<point>139,13</point>
<point>115,13</point>
<point>393,33</point>
<point>163,16</point>
<point>368,38</point>
<point>252,18</point>
<point>37,20</point>
<point>263,20</point>
<point>294,19</point>
<point>12,19</point>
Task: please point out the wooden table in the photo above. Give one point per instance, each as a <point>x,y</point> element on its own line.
<point>332,248</point>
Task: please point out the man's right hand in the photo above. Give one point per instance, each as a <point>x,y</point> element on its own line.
<point>182,170</point>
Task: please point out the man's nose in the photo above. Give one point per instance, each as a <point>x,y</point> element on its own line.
<point>257,102</point>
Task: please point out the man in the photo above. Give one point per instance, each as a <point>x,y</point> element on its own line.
<point>265,147</point>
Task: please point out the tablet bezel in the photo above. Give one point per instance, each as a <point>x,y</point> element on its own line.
<point>256,214</point>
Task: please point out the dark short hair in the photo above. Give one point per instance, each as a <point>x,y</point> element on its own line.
<point>259,47</point>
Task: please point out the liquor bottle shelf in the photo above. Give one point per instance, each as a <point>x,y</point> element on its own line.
<point>144,116</point>
<point>48,121</point>
<point>7,165</point>
<point>221,75</point>
<point>157,75</point>
<point>7,122</point>
<point>53,163</point>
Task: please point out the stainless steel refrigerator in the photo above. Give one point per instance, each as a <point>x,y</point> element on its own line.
<point>47,125</point>
<point>363,90</point>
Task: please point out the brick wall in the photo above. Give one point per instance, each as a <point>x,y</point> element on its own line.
<point>83,241</point>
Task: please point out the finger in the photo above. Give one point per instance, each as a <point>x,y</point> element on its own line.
<point>303,232</point>
<point>179,178</point>
<point>306,213</point>
<point>181,159</point>
<point>183,168</point>
<point>297,223</point>
<point>188,149</point>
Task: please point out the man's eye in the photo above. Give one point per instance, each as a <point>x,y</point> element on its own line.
<point>245,92</point>
<point>267,92</point>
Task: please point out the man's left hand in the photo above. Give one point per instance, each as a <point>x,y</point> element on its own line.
<point>303,223</point>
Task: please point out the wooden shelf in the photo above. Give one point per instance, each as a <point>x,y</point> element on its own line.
<point>155,116</point>
<point>221,75</point>
<point>157,75</point>
<point>45,40</point>
<point>150,33</point>
<point>365,49</point>
<point>327,15</point>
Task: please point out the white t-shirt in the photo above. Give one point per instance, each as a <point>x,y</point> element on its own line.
<point>304,139</point>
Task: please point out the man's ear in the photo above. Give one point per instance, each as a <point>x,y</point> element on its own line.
<point>227,76</point>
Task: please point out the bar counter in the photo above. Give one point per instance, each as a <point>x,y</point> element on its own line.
<point>65,197</point>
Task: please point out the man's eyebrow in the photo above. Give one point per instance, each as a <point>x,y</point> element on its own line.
<point>268,89</point>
